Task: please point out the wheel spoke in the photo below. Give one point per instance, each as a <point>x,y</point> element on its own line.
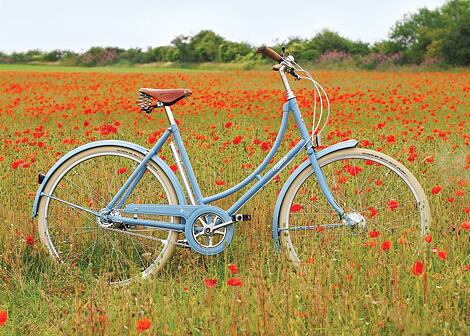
<point>86,183</point>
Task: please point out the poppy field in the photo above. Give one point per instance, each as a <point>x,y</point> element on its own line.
<point>373,285</point>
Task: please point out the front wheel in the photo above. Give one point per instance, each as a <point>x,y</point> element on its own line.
<point>114,252</point>
<point>378,194</point>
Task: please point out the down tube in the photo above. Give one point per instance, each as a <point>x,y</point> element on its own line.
<point>292,105</point>
<point>278,167</point>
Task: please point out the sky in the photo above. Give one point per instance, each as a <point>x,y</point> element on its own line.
<point>79,25</point>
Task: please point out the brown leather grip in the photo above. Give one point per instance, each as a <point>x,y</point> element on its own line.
<point>270,53</point>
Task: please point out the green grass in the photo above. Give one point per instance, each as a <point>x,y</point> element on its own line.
<point>356,290</point>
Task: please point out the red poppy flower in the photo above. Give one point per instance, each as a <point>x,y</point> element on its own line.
<point>30,240</point>
<point>436,190</point>
<point>152,138</point>
<point>143,324</point>
<point>418,268</point>
<point>386,245</point>
<point>442,255</point>
<point>354,170</point>
<point>3,317</point>
<point>295,208</point>
<point>228,124</point>
<point>320,229</point>
<point>237,140</point>
<point>233,268</point>
<point>428,238</point>
<point>219,182</point>
<point>392,204</point>
<point>374,234</point>
<point>373,212</point>
<point>121,170</point>
<point>210,283</point>
<point>465,225</point>
<point>234,282</point>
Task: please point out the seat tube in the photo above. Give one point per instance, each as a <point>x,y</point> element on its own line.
<point>187,164</point>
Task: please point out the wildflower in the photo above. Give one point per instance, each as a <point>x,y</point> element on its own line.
<point>30,240</point>
<point>465,225</point>
<point>374,234</point>
<point>392,204</point>
<point>143,324</point>
<point>237,140</point>
<point>386,245</point>
<point>373,212</point>
<point>295,208</point>
<point>102,318</point>
<point>3,317</point>
<point>219,182</point>
<point>418,268</point>
<point>459,192</point>
<point>428,238</point>
<point>228,124</point>
<point>121,170</point>
<point>210,283</point>
<point>442,255</point>
<point>233,268</point>
<point>234,282</point>
<point>152,138</point>
<point>436,190</point>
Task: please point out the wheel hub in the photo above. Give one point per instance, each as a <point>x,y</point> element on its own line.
<point>102,220</point>
<point>355,219</point>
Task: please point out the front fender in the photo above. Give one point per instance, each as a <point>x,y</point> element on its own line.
<point>171,175</point>
<point>277,209</point>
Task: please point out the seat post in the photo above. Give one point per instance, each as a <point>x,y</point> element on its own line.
<point>169,115</point>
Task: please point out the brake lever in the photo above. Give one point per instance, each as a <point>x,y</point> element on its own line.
<point>294,74</point>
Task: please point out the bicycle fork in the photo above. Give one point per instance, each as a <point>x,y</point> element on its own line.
<point>291,105</point>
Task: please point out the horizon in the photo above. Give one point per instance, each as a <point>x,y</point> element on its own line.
<point>36,28</point>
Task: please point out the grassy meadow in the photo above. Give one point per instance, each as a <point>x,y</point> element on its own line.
<point>232,118</point>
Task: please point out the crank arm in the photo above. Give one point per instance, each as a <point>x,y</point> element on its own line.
<point>221,225</point>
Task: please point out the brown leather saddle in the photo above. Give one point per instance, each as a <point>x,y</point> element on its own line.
<point>167,97</point>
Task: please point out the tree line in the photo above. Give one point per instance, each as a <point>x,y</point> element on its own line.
<point>440,36</point>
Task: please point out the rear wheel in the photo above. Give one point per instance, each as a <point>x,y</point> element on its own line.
<point>112,251</point>
<point>379,195</point>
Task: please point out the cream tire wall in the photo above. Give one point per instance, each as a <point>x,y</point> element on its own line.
<point>68,165</point>
<point>353,153</point>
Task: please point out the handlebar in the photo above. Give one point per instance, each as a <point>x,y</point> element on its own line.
<point>270,53</point>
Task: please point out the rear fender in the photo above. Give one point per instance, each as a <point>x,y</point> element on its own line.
<point>124,144</point>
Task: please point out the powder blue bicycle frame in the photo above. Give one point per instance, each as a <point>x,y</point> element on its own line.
<point>200,202</point>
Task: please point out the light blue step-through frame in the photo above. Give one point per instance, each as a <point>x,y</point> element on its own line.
<point>186,211</point>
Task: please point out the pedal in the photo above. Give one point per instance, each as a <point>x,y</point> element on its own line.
<point>241,217</point>
<point>41,177</point>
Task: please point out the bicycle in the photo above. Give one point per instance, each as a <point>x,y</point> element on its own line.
<point>127,227</point>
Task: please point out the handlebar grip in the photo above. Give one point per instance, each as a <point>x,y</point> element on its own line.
<point>269,52</point>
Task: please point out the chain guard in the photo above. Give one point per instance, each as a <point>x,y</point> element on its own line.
<point>203,241</point>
